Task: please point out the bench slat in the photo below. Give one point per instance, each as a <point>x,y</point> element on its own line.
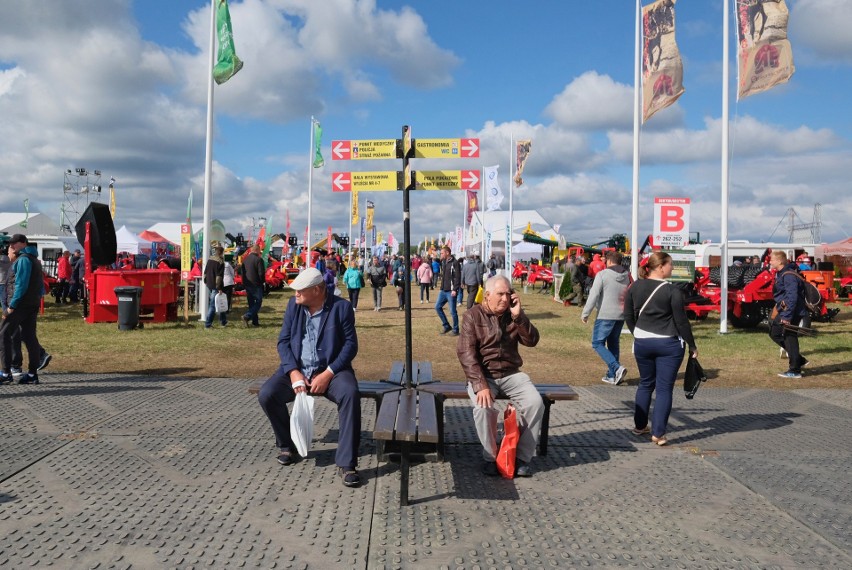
<point>424,372</point>
<point>397,373</point>
<point>406,416</point>
<point>366,389</point>
<point>386,419</point>
<point>428,424</point>
<point>458,390</point>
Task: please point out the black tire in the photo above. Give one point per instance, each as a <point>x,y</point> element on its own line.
<point>752,314</point>
<point>716,275</point>
<point>735,276</point>
<point>751,273</point>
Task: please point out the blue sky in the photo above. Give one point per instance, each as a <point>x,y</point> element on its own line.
<point>119,85</point>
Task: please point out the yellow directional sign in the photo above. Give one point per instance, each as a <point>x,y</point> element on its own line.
<point>446,148</point>
<point>446,180</point>
<point>363,149</point>
<point>379,181</point>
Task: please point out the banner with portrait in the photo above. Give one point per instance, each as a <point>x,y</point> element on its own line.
<point>662,67</point>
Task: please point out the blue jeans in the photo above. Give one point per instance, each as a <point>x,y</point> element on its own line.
<point>211,310</point>
<point>254,296</point>
<point>3,302</point>
<point>605,336</point>
<point>658,360</point>
<point>445,297</point>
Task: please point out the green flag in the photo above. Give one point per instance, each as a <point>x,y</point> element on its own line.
<point>227,64</point>
<point>27,215</point>
<point>267,241</point>
<point>318,161</point>
<point>189,222</point>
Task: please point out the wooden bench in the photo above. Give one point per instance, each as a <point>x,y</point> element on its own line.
<point>367,389</point>
<point>421,373</point>
<point>456,390</point>
<point>407,417</point>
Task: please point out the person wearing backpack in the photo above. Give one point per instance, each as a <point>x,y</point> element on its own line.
<point>788,293</point>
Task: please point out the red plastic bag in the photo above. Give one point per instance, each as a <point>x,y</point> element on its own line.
<point>509,445</point>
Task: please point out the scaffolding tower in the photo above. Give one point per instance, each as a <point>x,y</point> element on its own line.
<point>79,187</point>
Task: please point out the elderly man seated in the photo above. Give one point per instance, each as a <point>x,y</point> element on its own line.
<point>488,352</point>
<point>316,346</point>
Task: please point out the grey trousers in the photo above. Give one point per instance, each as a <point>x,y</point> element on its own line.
<point>529,405</point>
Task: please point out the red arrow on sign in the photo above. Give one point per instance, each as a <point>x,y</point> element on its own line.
<point>340,150</point>
<point>341,182</point>
<point>470,148</point>
<point>470,180</point>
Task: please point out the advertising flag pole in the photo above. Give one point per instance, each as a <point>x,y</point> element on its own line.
<point>723,311</point>
<point>308,256</point>
<point>637,110</point>
<point>208,161</point>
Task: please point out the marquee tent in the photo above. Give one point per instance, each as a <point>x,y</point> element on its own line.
<point>126,241</point>
<point>842,247</point>
<point>497,221</point>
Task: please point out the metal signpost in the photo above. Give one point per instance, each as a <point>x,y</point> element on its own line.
<point>405,148</point>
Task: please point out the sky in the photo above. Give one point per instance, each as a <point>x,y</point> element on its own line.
<point>120,86</point>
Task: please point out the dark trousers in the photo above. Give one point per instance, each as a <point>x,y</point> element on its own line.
<point>254,296</point>
<point>277,392</point>
<point>789,341</point>
<point>25,319</point>
<point>353,297</point>
<point>61,290</point>
<point>472,290</point>
<point>658,360</point>
<point>424,290</point>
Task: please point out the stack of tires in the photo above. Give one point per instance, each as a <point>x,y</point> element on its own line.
<point>738,275</point>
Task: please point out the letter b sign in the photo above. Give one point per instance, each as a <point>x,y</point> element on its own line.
<point>671,221</point>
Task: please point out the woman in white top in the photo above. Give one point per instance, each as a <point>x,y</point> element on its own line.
<point>228,282</point>
<point>654,313</point>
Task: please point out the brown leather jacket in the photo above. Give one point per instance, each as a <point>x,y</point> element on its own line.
<point>488,344</point>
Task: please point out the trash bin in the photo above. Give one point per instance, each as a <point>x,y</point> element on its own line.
<point>128,307</point>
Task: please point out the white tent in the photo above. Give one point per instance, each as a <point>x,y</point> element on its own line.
<point>496,223</point>
<point>126,240</point>
<point>171,231</point>
<point>37,224</point>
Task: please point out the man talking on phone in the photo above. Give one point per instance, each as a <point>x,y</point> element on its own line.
<point>488,353</point>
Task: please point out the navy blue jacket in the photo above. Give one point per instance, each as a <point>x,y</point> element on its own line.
<point>788,293</point>
<point>337,343</point>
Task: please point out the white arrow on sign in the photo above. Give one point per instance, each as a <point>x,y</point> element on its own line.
<point>471,147</point>
<point>471,179</point>
<point>340,149</point>
<point>341,180</point>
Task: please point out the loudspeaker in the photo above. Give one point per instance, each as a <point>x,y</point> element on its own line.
<point>101,235</point>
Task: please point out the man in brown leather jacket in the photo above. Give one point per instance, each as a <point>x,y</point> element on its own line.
<point>488,352</point>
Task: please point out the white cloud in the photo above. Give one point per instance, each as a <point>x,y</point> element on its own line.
<point>823,27</point>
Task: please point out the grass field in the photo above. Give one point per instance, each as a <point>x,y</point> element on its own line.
<point>741,358</point>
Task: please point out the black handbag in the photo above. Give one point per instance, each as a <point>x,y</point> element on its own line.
<point>693,377</point>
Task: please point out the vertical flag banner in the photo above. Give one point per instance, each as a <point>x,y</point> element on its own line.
<point>363,230</point>
<point>227,62</point>
<point>318,161</point>
<point>286,247</point>
<point>379,237</point>
<point>662,67</point>
<point>392,245</point>
<point>328,239</point>
<point>267,244</point>
<point>355,214</point>
<point>459,240</point>
<point>189,221</point>
<point>26,214</point>
<point>369,215</point>
<point>493,193</point>
<point>112,198</point>
<point>472,203</point>
<point>522,151</point>
<point>307,246</point>
<point>764,53</point>
<point>374,236</point>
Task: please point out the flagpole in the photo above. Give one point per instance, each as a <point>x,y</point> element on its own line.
<point>208,163</point>
<point>349,245</point>
<point>723,310</point>
<point>465,212</point>
<point>482,213</point>
<point>309,257</point>
<point>637,111</point>
<point>508,264</point>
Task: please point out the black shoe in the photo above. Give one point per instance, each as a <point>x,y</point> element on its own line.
<point>44,361</point>
<point>490,468</point>
<point>350,477</point>
<point>445,331</point>
<point>6,378</point>
<point>803,362</point>
<point>287,458</point>
<point>29,379</point>
<point>523,469</point>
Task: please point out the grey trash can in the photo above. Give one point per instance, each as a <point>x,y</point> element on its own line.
<point>128,307</point>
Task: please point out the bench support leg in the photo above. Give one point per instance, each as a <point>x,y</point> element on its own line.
<point>405,448</point>
<point>439,409</point>
<point>545,427</point>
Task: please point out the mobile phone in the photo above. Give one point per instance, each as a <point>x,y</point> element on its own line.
<point>512,301</point>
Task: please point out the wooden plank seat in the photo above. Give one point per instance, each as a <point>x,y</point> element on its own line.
<point>366,388</point>
<point>407,417</point>
<point>421,373</point>
<point>550,393</point>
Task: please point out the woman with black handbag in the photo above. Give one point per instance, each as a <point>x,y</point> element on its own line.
<point>654,313</point>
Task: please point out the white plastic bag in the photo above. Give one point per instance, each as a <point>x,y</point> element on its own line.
<point>302,423</point>
<point>221,302</point>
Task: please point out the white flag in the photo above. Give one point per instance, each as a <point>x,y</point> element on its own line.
<point>493,193</point>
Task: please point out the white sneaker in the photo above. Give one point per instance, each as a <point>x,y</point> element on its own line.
<point>783,354</point>
<point>608,380</point>
<point>619,375</point>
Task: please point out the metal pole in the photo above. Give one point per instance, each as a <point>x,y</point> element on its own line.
<point>208,162</point>
<point>723,311</point>
<point>308,257</point>
<point>637,114</point>
<point>406,238</point>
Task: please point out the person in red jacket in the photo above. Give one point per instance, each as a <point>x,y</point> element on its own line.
<point>596,266</point>
<point>63,275</point>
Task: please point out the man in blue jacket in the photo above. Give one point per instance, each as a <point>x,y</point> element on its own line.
<point>23,309</point>
<point>316,346</point>
<point>789,297</point>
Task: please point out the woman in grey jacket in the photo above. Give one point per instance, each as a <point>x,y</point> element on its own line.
<point>654,313</point>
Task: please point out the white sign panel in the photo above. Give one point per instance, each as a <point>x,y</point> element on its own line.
<point>671,222</point>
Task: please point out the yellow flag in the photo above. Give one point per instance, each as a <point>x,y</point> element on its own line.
<point>369,215</point>
<point>355,216</point>
<point>112,202</point>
